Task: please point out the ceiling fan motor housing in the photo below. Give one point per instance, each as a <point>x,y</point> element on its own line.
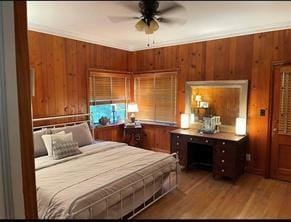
<point>148,9</point>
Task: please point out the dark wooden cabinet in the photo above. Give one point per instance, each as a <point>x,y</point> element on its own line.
<point>227,149</point>
<point>133,136</point>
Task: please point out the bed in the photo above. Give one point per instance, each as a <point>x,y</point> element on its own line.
<point>107,180</point>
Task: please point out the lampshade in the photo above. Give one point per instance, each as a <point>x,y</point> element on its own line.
<point>198,98</point>
<point>140,25</point>
<point>148,29</point>
<point>154,25</point>
<point>240,126</point>
<point>184,121</point>
<point>132,108</point>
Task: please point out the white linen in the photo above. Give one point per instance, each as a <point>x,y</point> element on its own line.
<point>48,140</point>
<point>103,168</point>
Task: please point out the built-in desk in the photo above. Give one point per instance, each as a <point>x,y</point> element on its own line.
<point>227,151</point>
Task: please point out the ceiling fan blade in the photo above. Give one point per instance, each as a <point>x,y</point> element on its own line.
<point>172,20</point>
<point>131,5</point>
<point>174,6</point>
<point>117,19</point>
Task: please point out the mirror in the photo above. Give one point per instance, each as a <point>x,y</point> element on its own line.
<point>216,103</point>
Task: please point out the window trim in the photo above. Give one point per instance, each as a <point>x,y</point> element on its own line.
<point>110,73</point>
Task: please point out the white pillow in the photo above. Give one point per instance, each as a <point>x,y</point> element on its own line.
<point>56,138</point>
<point>81,133</point>
<point>39,147</point>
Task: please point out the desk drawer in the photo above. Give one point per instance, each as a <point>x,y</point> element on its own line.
<point>177,143</point>
<point>224,171</point>
<point>226,151</point>
<point>225,143</point>
<point>225,162</point>
<point>200,140</point>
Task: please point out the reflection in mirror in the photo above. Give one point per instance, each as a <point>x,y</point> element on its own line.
<point>215,105</point>
<point>223,102</point>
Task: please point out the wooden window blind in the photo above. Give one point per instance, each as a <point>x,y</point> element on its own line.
<point>144,97</point>
<point>285,104</point>
<point>108,87</point>
<point>155,95</point>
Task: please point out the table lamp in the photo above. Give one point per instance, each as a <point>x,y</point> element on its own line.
<point>185,120</point>
<point>240,126</point>
<point>132,108</point>
<point>198,100</point>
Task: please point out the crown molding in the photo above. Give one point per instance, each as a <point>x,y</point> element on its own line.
<point>132,48</point>
<point>220,35</point>
<point>77,36</point>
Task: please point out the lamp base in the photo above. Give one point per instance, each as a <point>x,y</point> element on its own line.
<point>132,119</point>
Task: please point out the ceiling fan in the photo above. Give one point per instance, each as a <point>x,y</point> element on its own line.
<point>151,15</point>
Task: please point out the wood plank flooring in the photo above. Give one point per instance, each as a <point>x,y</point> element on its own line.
<point>200,196</point>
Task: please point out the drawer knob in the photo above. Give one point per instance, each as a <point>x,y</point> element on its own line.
<point>178,137</point>
<point>206,141</point>
<point>191,138</point>
<point>177,143</point>
<point>222,170</point>
<point>223,143</point>
<point>223,151</point>
<point>222,161</point>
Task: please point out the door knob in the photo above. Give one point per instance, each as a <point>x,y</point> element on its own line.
<point>275,130</point>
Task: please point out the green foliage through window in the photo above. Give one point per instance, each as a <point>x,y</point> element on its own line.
<point>115,112</point>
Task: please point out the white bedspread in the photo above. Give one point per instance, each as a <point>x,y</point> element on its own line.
<point>103,168</point>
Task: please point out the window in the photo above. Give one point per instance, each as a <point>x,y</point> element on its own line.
<point>155,95</point>
<point>285,104</point>
<point>108,94</point>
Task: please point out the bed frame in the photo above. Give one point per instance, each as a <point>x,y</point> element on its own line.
<point>68,123</point>
<point>171,180</point>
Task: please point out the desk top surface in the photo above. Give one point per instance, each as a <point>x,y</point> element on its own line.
<point>220,135</point>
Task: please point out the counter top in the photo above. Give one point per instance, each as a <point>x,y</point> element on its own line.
<point>220,135</point>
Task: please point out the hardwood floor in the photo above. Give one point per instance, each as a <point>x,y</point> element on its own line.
<point>200,196</point>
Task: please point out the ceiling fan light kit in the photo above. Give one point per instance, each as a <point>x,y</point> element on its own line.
<point>151,15</point>
<point>140,25</point>
<point>154,25</point>
<point>150,28</point>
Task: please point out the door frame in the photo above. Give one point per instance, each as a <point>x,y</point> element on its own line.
<point>275,64</point>
<point>6,190</point>
<point>24,105</point>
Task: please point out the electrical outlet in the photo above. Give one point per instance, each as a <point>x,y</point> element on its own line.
<point>248,157</point>
<point>262,112</point>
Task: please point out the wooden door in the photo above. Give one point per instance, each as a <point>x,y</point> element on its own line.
<point>281,124</point>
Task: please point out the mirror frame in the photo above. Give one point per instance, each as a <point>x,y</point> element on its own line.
<point>241,84</point>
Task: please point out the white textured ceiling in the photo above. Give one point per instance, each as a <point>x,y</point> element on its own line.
<point>88,21</point>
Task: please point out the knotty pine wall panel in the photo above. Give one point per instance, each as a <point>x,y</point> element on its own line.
<point>245,57</point>
<point>61,67</point>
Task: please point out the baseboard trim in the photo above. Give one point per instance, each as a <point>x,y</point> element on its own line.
<point>256,171</point>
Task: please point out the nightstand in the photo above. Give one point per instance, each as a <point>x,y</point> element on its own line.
<point>133,136</point>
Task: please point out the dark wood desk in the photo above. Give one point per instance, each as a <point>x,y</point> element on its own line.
<point>228,150</point>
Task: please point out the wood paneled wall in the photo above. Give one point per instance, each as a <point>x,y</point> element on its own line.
<point>109,133</point>
<point>61,67</point>
<point>157,137</point>
<point>244,57</point>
